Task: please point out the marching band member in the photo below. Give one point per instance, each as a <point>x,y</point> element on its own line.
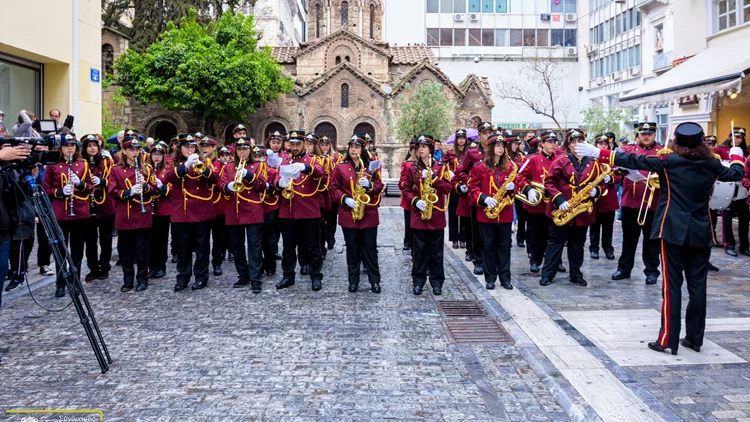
<point>313,149</point>
<point>329,214</point>
<point>405,205</point>
<point>739,206</point>
<point>270,235</point>
<point>101,209</point>
<point>710,143</point>
<point>488,179</point>
<point>238,132</point>
<point>131,184</point>
<point>245,213</point>
<point>458,207</point>
<point>69,183</point>
<point>299,212</point>
<point>371,150</point>
<point>568,176</point>
<point>276,143</point>
<point>633,195</point>
<point>605,209</point>
<point>225,155</point>
<point>360,234</point>
<point>162,210</point>
<point>218,227</point>
<point>428,216</point>
<point>687,172</point>
<point>192,212</point>
<point>518,158</point>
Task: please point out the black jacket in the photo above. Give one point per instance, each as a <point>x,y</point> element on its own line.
<point>683,215</point>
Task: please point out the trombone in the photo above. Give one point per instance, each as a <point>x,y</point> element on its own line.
<point>652,184</point>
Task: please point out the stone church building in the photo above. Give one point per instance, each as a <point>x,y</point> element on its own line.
<point>347,80</point>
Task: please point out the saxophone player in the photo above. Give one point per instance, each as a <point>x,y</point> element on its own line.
<point>568,176</point>
<point>359,199</point>
<point>495,178</point>
<point>426,186</point>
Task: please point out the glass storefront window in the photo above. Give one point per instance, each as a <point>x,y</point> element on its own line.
<point>20,88</point>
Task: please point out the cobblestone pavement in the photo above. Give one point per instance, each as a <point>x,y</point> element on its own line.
<point>227,354</point>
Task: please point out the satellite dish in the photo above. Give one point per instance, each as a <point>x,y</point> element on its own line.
<point>386,88</point>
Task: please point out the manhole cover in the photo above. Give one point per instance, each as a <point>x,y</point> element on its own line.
<point>466,322</point>
<point>460,308</point>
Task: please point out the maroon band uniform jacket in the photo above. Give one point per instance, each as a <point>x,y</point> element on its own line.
<point>161,201</point>
<point>192,196</point>
<point>536,171</point>
<point>56,177</point>
<point>413,192</point>
<point>104,205</point>
<point>344,181</point>
<point>128,204</point>
<point>305,201</point>
<point>564,182</point>
<point>632,192</point>
<point>483,184</point>
<point>245,207</point>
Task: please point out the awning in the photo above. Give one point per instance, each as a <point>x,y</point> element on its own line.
<point>715,69</point>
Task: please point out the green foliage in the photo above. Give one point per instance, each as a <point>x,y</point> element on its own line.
<point>110,110</point>
<point>215,70</point>
<point>598,120</point>
<point>427,110</point>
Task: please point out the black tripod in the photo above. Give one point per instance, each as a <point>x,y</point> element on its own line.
<point>67,269</point>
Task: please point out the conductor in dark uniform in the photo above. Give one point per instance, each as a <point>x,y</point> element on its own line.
<point>687,172</point>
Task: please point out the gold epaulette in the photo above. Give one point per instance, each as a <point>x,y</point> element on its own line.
<point>664,151</point>
<point>717,156</point>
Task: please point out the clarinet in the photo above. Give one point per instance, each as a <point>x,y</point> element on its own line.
<point>138,177</point>
<point>92,204</point>
<point>154,199</point>
<point>71,212</point>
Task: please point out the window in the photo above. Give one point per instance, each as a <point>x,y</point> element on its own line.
<point>619,61</point>
<point>345,96</point>
<point>488,37</point>
<point>727,13</point>
<point>446,6</point>
<point>501,6</point>
<point>626,20</point>
<point>605,34</point>
<point>620,28</point>
<point>474,6</point>
<point>344,14</point>
<point>488,6</point>
<point>347,59</point>
<point>459,37</point>
<point>556,37</point>
<point>317,21</point>
<point>542,37</point>
<point>459,6</point>
<point>529,38</point>
<point>626,59</point>
<point>432,6</point>
<point>372,21</point>
<point>557,6</point>
<point>612,32</point>
<point>475,37</point>
<point>338,59</point>
<point>516,37</point>
<point>501,38</point>
<point>433,37</point>
<point>570,6</point>
<point>570,37</point>
<point>662,124</point>
<point>746,11</point>
<point>637,17</point>
<point>108,59</point>
<point>638,55</point>
<point>591,36</point>
<point>326,129</point>
<point>20,88</point>
<point>446,37</point>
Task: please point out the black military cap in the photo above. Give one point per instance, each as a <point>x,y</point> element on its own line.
<point>688,134</point>
<point>738,131</point>
<point>297,136</point>
<point>646,127</point>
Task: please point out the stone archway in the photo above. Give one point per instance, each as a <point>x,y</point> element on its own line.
<point>329,130</point>
<point>273,127</point>
<point>163,131</point>
<point>365,127</point>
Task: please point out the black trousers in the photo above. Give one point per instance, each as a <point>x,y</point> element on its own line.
<point>740,207</point>
<point>408,238</point>
<point>693,261</point>
<point>537,236</point>
<point>186,237</point>
<point>330,217</point>
<point>456,224</point>
<point>521,220</point>
<point>323,233</point>
<point>476,236</point>
<point>428,252</point>
<point>558,236</point>
<point>496,241</point>
<point>219,236</point>
<point>303,233</point>
<point>19,263</point>
<point>362,246</point>
<point>605,223</point>
<point>74,232</point>
<point>99,234</point>
<point>714,220</point>
<point>269,242</point>
<point>43,252</point>
<point>133,250</point>
<point>158,244</point>
<point>248,265</point>
<point>631,232</point>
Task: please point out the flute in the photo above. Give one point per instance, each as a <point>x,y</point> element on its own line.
<point>138,177</point>
<point>71,212</point>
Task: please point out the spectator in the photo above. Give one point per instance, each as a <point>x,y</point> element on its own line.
<point>438,155</point>
<point>115,149</point>
<point>24,128</point>
<point>3,129</point>
<point>103,145</point>
<point>54,114</point>
<point>2,116</point>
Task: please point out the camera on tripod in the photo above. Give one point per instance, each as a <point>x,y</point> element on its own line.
<point>44,150</point>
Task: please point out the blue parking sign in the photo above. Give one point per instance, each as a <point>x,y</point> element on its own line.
<point>95,75</point>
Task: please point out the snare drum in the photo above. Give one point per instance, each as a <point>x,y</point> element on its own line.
<point>722,195</point>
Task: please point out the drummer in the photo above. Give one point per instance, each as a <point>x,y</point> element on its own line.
<point>739,204</point>
<point>710,142</point>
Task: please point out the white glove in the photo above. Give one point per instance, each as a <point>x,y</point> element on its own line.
<point>191,160</point>
<point>425,172</point>
<point>349,202</point>
<point>451,174</point>
<point>230,186</point>
<point>243,173</point>
<point>737,151</point>
<point>74,179</point>
<point>607,179</point>
<point>585,149</point>
<point>283,182</point>
<point>364,183</point>
<point>565,205</point>
<point>67,190</point>
<point>510,186</point>
<point>533,196</point>
<point>159,183</point>
<point>490,202</point>
<point>421,205</point>
<point>273,160</point>
<point>96,180</point>
<point>136,189</point>
<point>463,188</point>
<point>298,167</point>
<point>592,193</point>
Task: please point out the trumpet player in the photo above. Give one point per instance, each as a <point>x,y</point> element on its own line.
<point>245,184</point>
<point>192,212</point>
<point>426,186</point>
<point>356,188</point>
<point>492,181</point>
<point>162,206</point>
<point>567,178</point>
<point>605,210</point>
<point>68,185</point>
<point>102,210</point>
<point>219,232</point>
<point>459,212</point>
<point>131,183</point>
<point>635,206</point>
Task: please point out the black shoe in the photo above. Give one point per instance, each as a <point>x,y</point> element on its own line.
<point>455,245</point>
<point>620,274</point>
<point>375,288</point>
<point>469,257</point>
<point>15,282</point>
<point>490,285</point>
<point>93,275</point>
<point>141,286</point>
<point>561,268</point>
<point>240,283</point>
<point>218,271</point>
<point>331,244</point>
<point>119,263</point>
<point>317,285</point>
<point>462,245</point>
<point>198,285</point>
<point>159,273</point>
<point>545,281</point>
<point>594,254</point>
<point>437,290</point>
<point>103,275</point>
<point>521,244</point>
<point>534,267</point>
<point>746,253</point>
<point>731,252</point>
<point>712,267</point>
<point>174,259</point>
<point>353,287</point>
<point>417,290</point>
<point>304,270</point>
<point>651,279</point>
<point>689,344</point>
<point>506,285</point>
<point>271,273</point>
<point>580,282</point>
<point>61,290</point>
<point>659,348</point>
<point>126,287</point>
<point>277,256</point>
<point>231,257</point>
<point>255,287</point>
<point>610,255</point>
<point>284,283</point>
<point>151,273</point>
<point>478,269</point>
<point>180,286</point>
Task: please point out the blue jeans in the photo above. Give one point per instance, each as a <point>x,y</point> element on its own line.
<point>4,264</point>
<point>619,199</point>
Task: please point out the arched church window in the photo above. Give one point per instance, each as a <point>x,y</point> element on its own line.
<point>108,59</point>
<point>344,14</point>
<point>372,21</point>
<point>317,21</point>
<point>345,96</point>
<point>347,59</point>
<point>338,59</point>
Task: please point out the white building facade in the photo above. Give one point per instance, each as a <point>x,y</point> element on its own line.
<point>280,22</point>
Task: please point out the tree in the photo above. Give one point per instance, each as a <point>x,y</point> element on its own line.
<point>215,70</point>
<point>598,120</point>
<point>427,110</point>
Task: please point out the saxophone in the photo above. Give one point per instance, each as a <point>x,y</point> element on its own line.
<point>429,194</point>
<point>502,197</point>
<point>581,202</point>
<point>360,196</point>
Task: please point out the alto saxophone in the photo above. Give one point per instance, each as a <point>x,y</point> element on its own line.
<point>581,202</point>
<point>502,197</point>
<point>360,196</point>
<point>429,194</point>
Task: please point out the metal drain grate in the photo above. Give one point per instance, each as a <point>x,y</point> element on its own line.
<point>460,308</point>
<point>465,322</point>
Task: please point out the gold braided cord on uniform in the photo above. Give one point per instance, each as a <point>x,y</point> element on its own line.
<point>663,151</point>
<point>304,195</point>
<point>447,197</point>
<point>64,181</point>
<point>353,189</point>
<point>108,163</point>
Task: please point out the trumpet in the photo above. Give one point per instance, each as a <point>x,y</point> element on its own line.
<point>238,185</point>
<point>539,188</point>
<point>360,196</point>
<point>652,184</point>
<point>200,166</point>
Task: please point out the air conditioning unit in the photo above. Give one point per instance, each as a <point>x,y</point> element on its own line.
<point>616,76</point>
<point>635,71</point>
<point>545,16</point>
<point>459,17</point>
<point>599,81</point>
<point>571,51</point>
<point>571,17</point>
<point>474,17</point>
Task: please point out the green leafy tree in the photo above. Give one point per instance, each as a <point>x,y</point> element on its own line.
<point>215,70</point>
<point>427,110</point>
<point>598,120</point>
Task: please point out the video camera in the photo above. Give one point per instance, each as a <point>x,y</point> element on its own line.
<point>44,150</point>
